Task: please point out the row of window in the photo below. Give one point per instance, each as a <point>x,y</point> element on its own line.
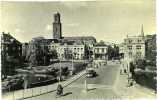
<point>130,41</point>
<point>137,47</point>
<point>99,50</point>
<point>75,56</point>
<point>75,49</point>
<point>138,54</point>
<point>13,48</point>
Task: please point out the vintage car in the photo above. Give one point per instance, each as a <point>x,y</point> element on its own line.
<point>90,73</point>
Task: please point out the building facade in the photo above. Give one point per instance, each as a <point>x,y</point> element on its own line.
<point>69,52</point>
<point>151,48</point>
<point>100,52</point>
<point>134,47</point>
<point>11,53</point>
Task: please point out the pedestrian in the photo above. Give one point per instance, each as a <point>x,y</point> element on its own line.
<point>125,71</point>
<point>59,90</point>
<point>121,72</point>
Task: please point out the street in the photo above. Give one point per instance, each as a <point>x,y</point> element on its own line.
<point>106,76</point>
<point>99,87</point>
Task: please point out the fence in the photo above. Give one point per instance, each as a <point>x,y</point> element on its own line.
<point>32,92</point>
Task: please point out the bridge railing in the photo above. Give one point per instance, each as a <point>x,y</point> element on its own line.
<point>33,92</point>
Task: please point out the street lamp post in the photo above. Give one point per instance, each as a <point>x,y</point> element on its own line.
<point>86,88</point>
<point>72,64</point>
<point>86,85</point>
<point>73,54</point>
<point>60,71</point>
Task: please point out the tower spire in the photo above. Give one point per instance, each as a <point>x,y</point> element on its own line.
<point>142,32</point>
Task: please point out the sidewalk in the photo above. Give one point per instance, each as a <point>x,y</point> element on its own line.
<point>135,92</point>
<point>78,93</point>
<point>33,92</point>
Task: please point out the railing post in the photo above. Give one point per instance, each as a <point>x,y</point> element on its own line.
<point>32,92</point>
<point>23,93</point>
<point>13,96</point>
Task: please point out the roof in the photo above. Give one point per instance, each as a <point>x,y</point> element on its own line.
<point>100,44</point>
<point>80,37</point>
<point>8,38</point>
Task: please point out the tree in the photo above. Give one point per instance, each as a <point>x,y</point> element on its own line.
<point>132,68</point>
<point>32,59</point>
<point>110,52</point>
<point>116,51</point>
<point>141,63</point>
<point>68,54</point>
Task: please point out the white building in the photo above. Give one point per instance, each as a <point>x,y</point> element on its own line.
<point>69,51</point>
<point>100,52</point>
<point>134,47</point>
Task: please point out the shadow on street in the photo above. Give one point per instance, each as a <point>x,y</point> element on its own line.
<point>68,93</point>
<point>91,89</point>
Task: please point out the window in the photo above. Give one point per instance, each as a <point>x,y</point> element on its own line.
<point>130,41</point>
<point>138,54</point>
<point>130,54</point>
<point>138,47</point>
<point>97,50</point>
<point>139,40</point>
<point>102,50</point>
<point>130,47</point>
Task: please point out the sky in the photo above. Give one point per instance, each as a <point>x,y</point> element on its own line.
<point>108,20</point>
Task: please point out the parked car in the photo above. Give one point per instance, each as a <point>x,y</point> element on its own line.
<point>90,73</point>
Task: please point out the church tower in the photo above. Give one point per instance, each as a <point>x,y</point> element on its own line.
<point>57,27</point>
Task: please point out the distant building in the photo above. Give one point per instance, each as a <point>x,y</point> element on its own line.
<point>11,53</point>
<point>57,34</point>
<point>70,51</point>
<point>100,52</point>
<point>87,40</point>
<point>134,47</point>
<point>151,47</point>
